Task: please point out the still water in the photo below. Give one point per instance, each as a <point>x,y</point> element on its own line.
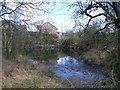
<point>77,72</point>
<point>71,69</point>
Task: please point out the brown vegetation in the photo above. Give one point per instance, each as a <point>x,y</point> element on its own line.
<point>19,73</point>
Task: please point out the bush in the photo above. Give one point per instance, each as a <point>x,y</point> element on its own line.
<point>95,56</point>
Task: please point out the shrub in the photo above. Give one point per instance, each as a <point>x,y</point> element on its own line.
<point>95,56</point>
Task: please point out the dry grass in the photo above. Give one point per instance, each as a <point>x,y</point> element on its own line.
<point>95,56</point>
<point>19,73</point>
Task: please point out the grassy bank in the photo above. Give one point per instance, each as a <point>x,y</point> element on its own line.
<point>21,74</point>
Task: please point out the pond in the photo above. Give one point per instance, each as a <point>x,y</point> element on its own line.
<point>70,69</point>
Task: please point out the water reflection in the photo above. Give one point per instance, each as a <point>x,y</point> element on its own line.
<point>76,71</point>
<point>67,61</point>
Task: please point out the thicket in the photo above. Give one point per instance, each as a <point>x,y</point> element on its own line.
<point>96,48</point>
<point>16,39</point>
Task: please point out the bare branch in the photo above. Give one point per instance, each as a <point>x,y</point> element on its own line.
<point>106,11</point>
<point>110,4</point>
<point>92,17</point>
<point>106,25</point>
<point>11,11</point>
<point>88,23</point>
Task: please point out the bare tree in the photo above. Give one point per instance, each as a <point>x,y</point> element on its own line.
<point>12,15</point>
<point>22,10</point>
<point>109,10</point>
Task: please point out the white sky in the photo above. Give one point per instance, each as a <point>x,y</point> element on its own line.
<point>60,16</point>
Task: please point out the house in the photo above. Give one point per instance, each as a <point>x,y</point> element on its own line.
<point>49,28</point>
